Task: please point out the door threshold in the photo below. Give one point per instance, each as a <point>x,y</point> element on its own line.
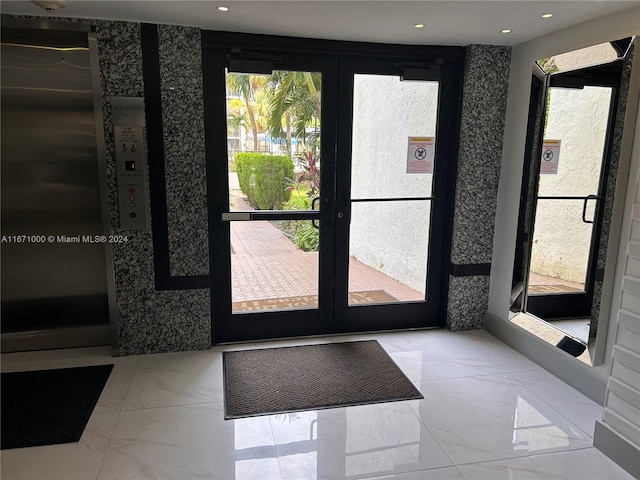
<point>552,335</point>
<point>320,337</point>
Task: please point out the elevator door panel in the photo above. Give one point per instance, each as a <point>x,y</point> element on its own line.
<point>52,278</point>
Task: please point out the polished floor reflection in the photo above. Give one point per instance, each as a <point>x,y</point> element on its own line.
<point>487,413</point>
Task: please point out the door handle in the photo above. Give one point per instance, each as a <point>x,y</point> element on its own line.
<point>313,207</point>
<point>584,208</point>
<point>235,216</point>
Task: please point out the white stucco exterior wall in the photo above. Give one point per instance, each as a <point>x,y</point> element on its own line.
<point>583,57</point>
<point>391,237</point>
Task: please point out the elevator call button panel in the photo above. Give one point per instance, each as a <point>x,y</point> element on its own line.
<point>131,166</point>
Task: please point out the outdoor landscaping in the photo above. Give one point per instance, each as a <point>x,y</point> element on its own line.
<point>274,139</point>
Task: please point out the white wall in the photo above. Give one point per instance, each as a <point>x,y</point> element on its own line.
<point>612,27</point>
<point>391,237</point>
<point>618,434</point>
<point>620,25</point>
<point>591,381</point>
<point>622,405</point>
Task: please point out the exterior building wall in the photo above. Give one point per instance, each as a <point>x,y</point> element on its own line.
<point>391,237</point>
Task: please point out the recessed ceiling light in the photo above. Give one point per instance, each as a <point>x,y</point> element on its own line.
<point>547,15</point>
<point>223,9</point>
<point>506,30</point>
<point>419,25</point>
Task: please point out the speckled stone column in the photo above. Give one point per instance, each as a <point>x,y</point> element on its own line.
<point>484,105</point>
<point>149,320</point>
<point>185,170</point>
<point>611,190</point>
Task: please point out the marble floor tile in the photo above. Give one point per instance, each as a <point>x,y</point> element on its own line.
<point>493,417</point>
<point>565,399</point>
<point>447,473</point>
<point>488,413</point>
<point>436,354</point>
<point>433,343</point>
<point>500,353</point>
<point>190,442</point>
<point>115,390</point>
<point>354,442</point>
<point>68,461</point>
<point>176,379</point>
<point>585,464</point>
<point>420,366</point>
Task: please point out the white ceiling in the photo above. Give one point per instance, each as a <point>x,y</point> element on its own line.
<point>448,22</point>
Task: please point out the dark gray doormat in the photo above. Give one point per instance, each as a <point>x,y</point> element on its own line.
<point>46,407</point>
<point>310,377</point>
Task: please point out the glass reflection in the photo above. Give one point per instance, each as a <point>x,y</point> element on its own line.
<point>467,420</point>
<point>354,442</point>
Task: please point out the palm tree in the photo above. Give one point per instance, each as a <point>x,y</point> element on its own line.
<point>246,86</point>
<point>236,121</point>
<point>294,96</point>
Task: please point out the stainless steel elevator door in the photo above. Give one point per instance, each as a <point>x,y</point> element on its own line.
<point>52,278</point>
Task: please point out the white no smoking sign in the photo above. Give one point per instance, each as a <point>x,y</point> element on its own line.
<point>420,155</point>
<point>550,157</point>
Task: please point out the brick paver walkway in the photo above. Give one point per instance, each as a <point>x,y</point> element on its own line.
<point>542,284</point>
<point>266,264</point>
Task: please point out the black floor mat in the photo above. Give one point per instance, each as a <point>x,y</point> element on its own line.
<point>46,407</point>
<point>288,379</point>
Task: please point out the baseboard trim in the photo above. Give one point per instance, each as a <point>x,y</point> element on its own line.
<point>567,368</point>
<point>617,449</point>
<point>55,338</point>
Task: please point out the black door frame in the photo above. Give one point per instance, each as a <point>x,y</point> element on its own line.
<point>266,324</point>
<point>430,313</point>
<point>578,304</point>
<point>330,58</point>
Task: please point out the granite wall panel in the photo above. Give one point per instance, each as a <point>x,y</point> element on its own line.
<point>151,321</point>
<point>468,300</point>
<point>484,105</point>
<point>183,128</point>
<point>611,190</point>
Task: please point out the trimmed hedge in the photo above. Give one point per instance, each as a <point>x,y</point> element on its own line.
<point>264,178</point>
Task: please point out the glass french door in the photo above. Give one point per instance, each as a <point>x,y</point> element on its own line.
<point>327,191</point>
<point>394,160</point>
<point>270,143</point>
<point>570,194</point>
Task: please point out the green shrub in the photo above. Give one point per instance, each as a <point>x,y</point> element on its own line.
<point>304,235</point>
<point>264,178</point>
<point>307,237</point>
<point>298,201</point>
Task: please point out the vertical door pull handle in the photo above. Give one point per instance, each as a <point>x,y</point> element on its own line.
<point>313,207</point>
<point>584,207</point>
